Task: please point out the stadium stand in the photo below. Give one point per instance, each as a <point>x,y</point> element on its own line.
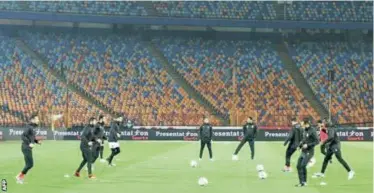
<point>260,81</point>
<point>27,89</point>
<point>352,89</point>
<point>120,72</point>
<point>240,78</point>
<point>328,11</point>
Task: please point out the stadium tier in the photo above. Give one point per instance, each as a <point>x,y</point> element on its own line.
<point>240,78</point>
<point>127,8</point>
<point>121,73</point>
<point>329,11</point>
<point>352,88</point>
<point>26,89</point>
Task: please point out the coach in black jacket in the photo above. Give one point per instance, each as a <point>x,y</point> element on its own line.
<point>206,135</point>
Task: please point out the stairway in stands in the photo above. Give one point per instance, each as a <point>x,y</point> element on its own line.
<point>178,78</point>
<point>61,77</point>
<point>299,79</point>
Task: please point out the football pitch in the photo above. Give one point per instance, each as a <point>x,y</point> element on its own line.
<point>163,167</point>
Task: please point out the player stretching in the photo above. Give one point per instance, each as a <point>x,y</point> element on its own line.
<point>293,139</point>
<point>332,144</point>
<point>307,145</point>
<point>114,135</point>
<point>87,140</point>
<point>206,134</point>
<point>28,142</point>
<point>250,133</point>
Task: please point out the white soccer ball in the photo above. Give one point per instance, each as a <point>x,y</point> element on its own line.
<point>260,167</point>
<point>262,175</point>
<point>202,181</point>
<point>193,163</point>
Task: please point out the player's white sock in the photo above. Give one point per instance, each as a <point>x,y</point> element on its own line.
<point>103,160</point>
<point>211,159</point>
<point>351,174</point>
<point>235,157</point>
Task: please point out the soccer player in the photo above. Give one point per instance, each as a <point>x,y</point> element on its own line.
<point>87,140</point>
<point>250,133</point>
<point>322,131</point>
<point>114,135</point>
<point>309,141</point>
<point>102,136</point>
<point>332,144</point>
<point>206,134</point>
<point>28,143</point>
<point>293,141</point>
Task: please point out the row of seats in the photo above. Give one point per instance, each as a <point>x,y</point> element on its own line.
<point>252,10</point>
<point>329,11</point>
<point>9,119</point>
<point>352,88</point>
<point>240,78</point>
<point>121,73</point>
<point>340,11</point>
<point>126,8</point>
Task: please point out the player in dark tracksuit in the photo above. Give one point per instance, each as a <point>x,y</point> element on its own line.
<point>250,133</point>
<point>309,141</point>
<point>330,147</point>
<point>102,136</point>
<point>206,135</point>
<point>114,135</point>
<point>99,133</point>
<point>87,140</point>
<point>293,139</point>
<point>28,142</point>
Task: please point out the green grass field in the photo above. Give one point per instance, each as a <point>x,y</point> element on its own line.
<point>163,167</point>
